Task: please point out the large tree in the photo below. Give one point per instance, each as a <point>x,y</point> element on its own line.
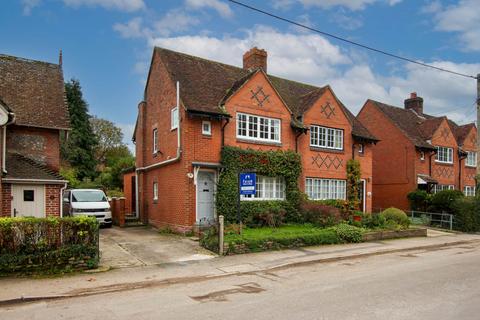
<point>79,148</point>
<point>109,137</point>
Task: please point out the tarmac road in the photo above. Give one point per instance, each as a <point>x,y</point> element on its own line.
<point>442,283</point>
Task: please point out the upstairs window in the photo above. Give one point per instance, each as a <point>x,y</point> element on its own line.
<point>268,188</point>
<point>469,191</point>
<point>155,191</point>
<point>258,128</point>
<point>324,137</point>
<point>174,118</point>
<point>206,128</point>
<point>361,149</point>
<point>422,155</point>
<point>471,159</point>
<point>155,141</point>
<point>444,155</point>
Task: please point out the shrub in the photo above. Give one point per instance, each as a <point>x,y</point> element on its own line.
<point>270,218</point>
<point>444,201</point>
<point>260,213</point>
<point>396,216</point>
<point>348,233</point>
<point>319,214</point>
<point>373,221</point>
<point>419,200</point>
<point>467,214</point>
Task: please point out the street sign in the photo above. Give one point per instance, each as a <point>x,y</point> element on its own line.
<point>248,182</point>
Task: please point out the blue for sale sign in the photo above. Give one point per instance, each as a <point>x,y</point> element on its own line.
<point>248,182</point>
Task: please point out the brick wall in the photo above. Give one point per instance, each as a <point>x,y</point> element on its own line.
<point>6,200</point>
<point>129,192</point>
<point>469,173</point>
<point>52,200</point>
<point>42,145</point>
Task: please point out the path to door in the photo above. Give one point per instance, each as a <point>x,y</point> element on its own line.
<point>145,246</point>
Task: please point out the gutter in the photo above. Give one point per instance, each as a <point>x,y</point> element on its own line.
<point>46,181</point>
<point>61,198</point>
<point>163,163</point>
<point>4,142</point>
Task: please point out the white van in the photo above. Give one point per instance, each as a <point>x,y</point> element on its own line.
<point>88,202</point>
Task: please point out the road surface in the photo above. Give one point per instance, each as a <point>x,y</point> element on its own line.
<point>435,284</point>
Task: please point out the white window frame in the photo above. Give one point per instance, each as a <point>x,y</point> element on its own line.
<point>209,131</point>
<point>252,127</point>
<point>443,187</point>
<point>361,148</point>
<point>471,160</point>
<point>446,155</point>
<point>332,137</point>
<point>469,191</point>
<point>325,189</point>
<point>174,118</point>
<point>155,191</point>
<point>155,141</point>
<point>422,155</point>
<point>267,188</point>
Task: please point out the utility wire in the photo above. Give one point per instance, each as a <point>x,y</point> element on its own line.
<point>349,41</point>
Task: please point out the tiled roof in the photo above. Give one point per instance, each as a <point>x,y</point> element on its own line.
<point>420,128</point>
<point>206,85</point>
<point>21,167</point>
<point>34,91</point>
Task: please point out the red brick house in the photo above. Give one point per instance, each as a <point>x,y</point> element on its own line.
<point>193,107</point>
<point>417,151</point>
<point>33,99</point>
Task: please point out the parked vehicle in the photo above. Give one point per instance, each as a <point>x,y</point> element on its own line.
<point>88,202</point>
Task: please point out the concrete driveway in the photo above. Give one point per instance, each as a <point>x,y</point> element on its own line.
<point>145,246</point>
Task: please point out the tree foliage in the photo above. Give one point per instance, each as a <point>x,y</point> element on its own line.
<point>108,136</point>
<point>353,179</point>
<point>78,149</point>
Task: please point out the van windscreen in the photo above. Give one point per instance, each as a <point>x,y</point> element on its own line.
<point>88,196</point>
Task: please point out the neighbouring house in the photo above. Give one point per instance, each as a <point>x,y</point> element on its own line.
<point>418,151</point>
<point>33,116</point>
<point>192,107</point>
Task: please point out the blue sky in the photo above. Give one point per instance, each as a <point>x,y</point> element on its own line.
<point>107,45</point>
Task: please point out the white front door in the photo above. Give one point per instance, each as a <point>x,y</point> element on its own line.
<point>205,196</point>
<point>28,200</point>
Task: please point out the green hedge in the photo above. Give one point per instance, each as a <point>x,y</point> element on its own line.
<point>467,214</point>
<point>286,164</point>
<point>48,244</point>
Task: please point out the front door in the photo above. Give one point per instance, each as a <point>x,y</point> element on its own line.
<point>205,196</point>
<point>361,194</point>
<point>28,200</point>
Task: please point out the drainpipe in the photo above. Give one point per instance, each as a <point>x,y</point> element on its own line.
<point>296,141</point>
<point>223,131</point>
<point>163,163</point>
<point>460,158</point>
<point>61,198</point>
<point>4,143</point>
<point>353,151</point>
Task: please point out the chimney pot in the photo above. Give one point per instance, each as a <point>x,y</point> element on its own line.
<point>414,103</point>
<point>413,95</point>
<point>254,59</point>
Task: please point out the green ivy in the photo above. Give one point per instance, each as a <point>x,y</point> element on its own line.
<point>286,164</point>
<point>353,178</point>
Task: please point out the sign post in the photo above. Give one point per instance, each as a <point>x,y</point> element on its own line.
<point>247,183</point>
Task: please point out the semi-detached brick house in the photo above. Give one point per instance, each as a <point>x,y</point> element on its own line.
<point>179,139</point>
<point>32,98</point>
<point>417,150</point>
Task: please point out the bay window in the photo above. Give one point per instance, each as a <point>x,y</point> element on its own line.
<point>324,189</point>
<point>324,137</point>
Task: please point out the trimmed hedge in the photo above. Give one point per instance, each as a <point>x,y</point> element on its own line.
<point>285,164</point>
<point>467,214</point>
<point>48,244</point>
<point>395,216</point>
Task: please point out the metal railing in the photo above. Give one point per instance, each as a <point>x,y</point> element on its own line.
<point>442,220</point>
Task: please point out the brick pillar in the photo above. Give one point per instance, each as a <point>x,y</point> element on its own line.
<point>121,212</point>
<point>6,200</point>
<point>52,200</point>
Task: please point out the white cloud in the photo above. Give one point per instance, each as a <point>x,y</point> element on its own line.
<point>326,4</point>
<point>132,29</point>
<point>175,20</point>
<point>313,59</point>
<point>345,20</point>
<point>28,6</point>
<point>462,18</point>
<point>123,5</point>
<point>221,7</point>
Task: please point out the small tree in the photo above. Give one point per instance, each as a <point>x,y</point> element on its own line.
<point>353,179</point>
<point>419,200</point>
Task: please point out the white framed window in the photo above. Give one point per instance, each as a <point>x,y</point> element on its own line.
<point>422,155</point>
<point>361,148</point>
<point>258,128</point>
<point>155,191</point>
<point>443,187</point>
<point>324,137</point>
<point>444,155</point>
<point>207,128</point>
<point>155,140</point>
<point>469,191</point>
<point>324,189</point>
<point>471,159</point>
<point>268,188</point>
<point>174,118</point>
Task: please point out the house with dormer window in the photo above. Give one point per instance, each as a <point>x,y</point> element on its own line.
<point>418,151</point>
<point>193,107</point>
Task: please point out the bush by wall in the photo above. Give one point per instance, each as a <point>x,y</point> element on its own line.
<point>48,244</point>
<point>444,201</point>
<point>419,200</point>
<point>285,164</point>
<point>396,216</point>
<point>467,214</point>
<point>320,214</point>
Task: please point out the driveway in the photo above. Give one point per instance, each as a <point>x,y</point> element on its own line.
<point>145,246</point>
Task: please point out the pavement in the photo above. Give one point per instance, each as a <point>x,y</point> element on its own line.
<point>418,278</point>
<point>20,290</point>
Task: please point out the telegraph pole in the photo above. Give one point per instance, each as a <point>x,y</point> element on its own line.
<point>478,133</point>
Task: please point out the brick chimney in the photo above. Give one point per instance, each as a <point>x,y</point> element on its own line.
<point>255,58</point>
<point>414,103</point>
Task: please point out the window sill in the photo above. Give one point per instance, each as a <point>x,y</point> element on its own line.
<point>472,167</point>
<point>447,164</point>
<point>206,136</point>
<point>318,149</point>
<point>268,143</point>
